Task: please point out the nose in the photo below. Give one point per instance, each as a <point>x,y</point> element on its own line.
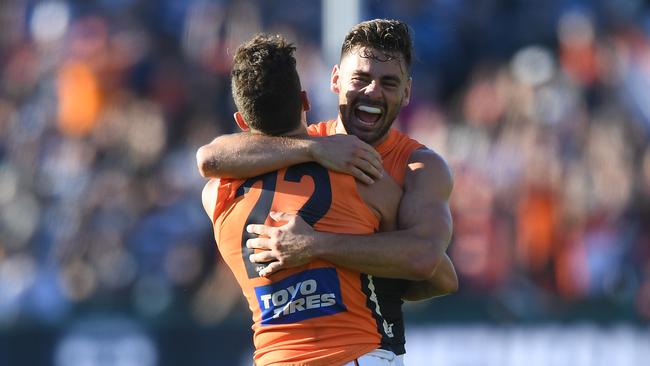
<point>373,90</point>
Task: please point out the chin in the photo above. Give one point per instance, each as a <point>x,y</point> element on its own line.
<point>375,135</point>
<point>367,136</point>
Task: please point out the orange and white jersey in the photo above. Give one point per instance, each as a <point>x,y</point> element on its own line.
<point>395,153</point>
<point>315,314</point>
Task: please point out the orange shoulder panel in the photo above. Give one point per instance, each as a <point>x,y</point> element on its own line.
<point>322,128</point>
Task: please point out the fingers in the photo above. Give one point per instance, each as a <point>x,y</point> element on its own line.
<point>258,243</point>
<point>270,269</point>
<point>259,229</point>
<point>281,216</point>
<point>262,257</point>
<point>361,176</point>
<point>369,163</point>
<point>373,157</point>
<point>369,169</point>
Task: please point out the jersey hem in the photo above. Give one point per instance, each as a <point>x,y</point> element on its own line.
<point>328,362</point>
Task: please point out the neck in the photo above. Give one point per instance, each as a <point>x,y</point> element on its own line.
<point>299,131</point>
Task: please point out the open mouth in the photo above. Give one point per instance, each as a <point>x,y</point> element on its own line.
<point>367,115</point>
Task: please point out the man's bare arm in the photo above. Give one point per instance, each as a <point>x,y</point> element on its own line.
<point>413,252</point>
<point>443,282</point>
<point>243,155</point>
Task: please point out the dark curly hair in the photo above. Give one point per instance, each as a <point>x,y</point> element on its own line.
<point>391,37</point>
<point>266,86</point>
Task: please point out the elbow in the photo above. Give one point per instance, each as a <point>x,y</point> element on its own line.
<point>449,282</point>
<point>423,268</point>
<point>205,163</point>
<point>437,269</point>
<point>425,261</point>
<point>430,254</point>
<point>444,277</point>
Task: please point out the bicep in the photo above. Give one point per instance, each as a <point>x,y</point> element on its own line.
<point>388,223</point>
<point>425,204</point>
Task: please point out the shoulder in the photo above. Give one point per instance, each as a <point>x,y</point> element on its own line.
<point>406,142</point>
<point>320,128</point>
<point>426,168</point>
<point>382,197</point>
<point>427,157</point>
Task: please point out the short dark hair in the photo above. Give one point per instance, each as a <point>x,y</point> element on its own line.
<point>266,86</point>
<point>386,35</point>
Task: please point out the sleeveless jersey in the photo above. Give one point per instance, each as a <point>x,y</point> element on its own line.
<point>395,152</point>
<point>315,314</point>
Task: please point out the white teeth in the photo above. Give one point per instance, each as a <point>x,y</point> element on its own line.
<point>368,109</point>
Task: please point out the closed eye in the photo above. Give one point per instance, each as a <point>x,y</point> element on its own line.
<point>391,85</point>
<point>391,82</point>
<point>360,81</point>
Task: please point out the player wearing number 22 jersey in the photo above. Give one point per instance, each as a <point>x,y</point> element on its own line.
<point>316,314</point>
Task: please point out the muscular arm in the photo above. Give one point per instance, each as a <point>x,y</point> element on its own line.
<point>385,195</point>
<point>424,219</point>
<point>443,282</point>
<point>413,252</point>
<point>244,155</point>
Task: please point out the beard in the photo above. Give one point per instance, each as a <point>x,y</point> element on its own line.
<point>370,134</point>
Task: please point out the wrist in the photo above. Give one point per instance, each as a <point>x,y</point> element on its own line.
<point>311,148</point>
<point>318,245</point>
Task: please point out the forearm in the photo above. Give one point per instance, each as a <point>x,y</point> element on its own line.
<point>443,282</point>
<point>397,254</point>
<point>243,155</point>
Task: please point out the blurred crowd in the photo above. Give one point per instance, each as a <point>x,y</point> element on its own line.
<point>541,109</point>
<point>549,149</point>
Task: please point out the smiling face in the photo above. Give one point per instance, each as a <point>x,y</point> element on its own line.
<point>372,86</point>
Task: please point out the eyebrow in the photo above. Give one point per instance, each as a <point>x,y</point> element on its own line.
<point>383,78</point>
<point>360,73</point>
<point>391,78</point>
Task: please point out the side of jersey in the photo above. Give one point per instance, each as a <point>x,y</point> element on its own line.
<point>315,314</point>
<point>387,292</point>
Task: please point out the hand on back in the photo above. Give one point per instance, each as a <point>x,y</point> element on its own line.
<point>348,154</point>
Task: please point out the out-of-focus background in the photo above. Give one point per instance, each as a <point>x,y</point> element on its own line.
<point>542,108</point>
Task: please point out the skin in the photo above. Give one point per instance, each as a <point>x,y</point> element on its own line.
<point>243,155</point>
<point>360,80</point>
<point>416,251</point>
<point>383,197</point>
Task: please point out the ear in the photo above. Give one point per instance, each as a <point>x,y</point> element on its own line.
<point>407,93</point>
<point>306,106</point>
<point>334,79</point>
<point>239,119</point>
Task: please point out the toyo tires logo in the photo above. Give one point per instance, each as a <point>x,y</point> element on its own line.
<point>305,295</point>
